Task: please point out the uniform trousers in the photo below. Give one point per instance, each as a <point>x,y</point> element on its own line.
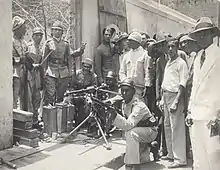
<point>55,89</point>
<point>137,149</point>
<point>206,149</point>
<point>174,126</point>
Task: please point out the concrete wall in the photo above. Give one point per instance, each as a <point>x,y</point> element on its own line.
<point>5,74</point>
<point>148,16</point>
<point>90,26</point>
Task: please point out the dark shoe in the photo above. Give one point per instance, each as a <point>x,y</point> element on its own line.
<point>156,157</point>
<point>175,165</point>
<point>165,158</point>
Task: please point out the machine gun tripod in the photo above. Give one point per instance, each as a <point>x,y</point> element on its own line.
<point>93,114</point>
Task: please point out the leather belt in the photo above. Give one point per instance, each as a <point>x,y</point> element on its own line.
<point>56,61</point>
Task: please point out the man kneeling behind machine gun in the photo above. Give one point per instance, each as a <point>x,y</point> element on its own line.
<point>139,126</point>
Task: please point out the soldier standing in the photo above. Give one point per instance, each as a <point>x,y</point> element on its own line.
<point>58,65</point>
<point>22,63</point>
<point>37,72</point>
<point>104,56</point>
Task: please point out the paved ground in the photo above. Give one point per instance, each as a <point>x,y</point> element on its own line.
<point>82,154</point>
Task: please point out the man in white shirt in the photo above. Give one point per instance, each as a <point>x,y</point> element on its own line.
<point>174,81</point>
<point>136,65</point>
<point>204,102</point>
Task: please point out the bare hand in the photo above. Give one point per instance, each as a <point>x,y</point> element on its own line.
<point>36,65</point>
<point>173,107</point>
<point>189,120</point>
<point>160,105</point>
<point>83,46</point>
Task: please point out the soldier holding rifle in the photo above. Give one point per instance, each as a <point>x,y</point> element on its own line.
<point>57,55</point>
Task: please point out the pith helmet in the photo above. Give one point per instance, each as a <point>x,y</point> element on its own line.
<point>17,22</point>
<point>57,25</point>
<point>111,74</point>
<point>135,36</point>
<point>37,30</point>
<point>87,61</point>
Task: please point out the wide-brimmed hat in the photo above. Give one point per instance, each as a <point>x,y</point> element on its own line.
<point>161,38</point>
<point>203,24</point>
<point>186,38</point>
<point>37,30</point>
<point>57,25</point>
<point>17,22</point>
<point>135,36</point>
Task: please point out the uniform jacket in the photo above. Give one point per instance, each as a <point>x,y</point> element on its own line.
<point>204,100</point>
<point>135,111</point>
<point>36,54</point>
<point>84,80</point>
<point>58,64</point>
<point>103,61</point>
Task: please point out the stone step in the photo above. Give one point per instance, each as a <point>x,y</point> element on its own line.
<point>25,141</point>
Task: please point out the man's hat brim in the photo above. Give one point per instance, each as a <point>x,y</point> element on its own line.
<point>215,29</point>
<point>126,84</point>
<point>159,43</point>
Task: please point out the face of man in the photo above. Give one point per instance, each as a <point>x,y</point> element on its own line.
<point>127,93</point>
<point>86,67</point>
<point>123,44</point>
<point>57,33</point>
<point>107,35</point>
<point>172,49</point>
<point>143,39</point>
<point>133,44</point>
<point>37,38</point>
<point>110,81</point>
<point>204,38</point>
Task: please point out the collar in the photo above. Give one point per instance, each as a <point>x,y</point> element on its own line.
<point>134,99</point>
<point>137,49</point>
<point>57,39</point>
<point>172,62</point>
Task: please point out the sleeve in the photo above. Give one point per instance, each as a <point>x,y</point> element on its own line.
<point>148,63</point>
<point>122,71</point>
<point>97,65</point>
<point>46,51</point>
<point>183,70</point>
<point>138,113</point>
<point>68,58</point>
<point>158,80</point>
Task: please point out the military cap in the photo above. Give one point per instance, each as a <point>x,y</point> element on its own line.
<point>17,22</point>
<point>111,74</point>
<point>135,36</point>
<point>203,24</point>
<point>127,82</point>
<point>37,30</point>
<point>57,25</point>
<point>87,61</point>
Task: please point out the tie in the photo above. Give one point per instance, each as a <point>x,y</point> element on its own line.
<point>202,59</point>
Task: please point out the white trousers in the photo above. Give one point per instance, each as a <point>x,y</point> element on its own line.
<point>206,149</point>
<point>174,126</point>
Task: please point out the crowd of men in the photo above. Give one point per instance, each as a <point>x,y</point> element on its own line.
<point>166,82</point>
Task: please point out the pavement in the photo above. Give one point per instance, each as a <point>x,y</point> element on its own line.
<point>82,153</point>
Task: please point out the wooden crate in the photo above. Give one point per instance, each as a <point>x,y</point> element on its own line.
<point>25,141</point>
<point>22,116</point>
<point>30,134</point>
<point>22,125</point>
<point>50,119</point>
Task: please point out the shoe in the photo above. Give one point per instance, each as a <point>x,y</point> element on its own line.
<point>175,165</point>
<point>165,158</point>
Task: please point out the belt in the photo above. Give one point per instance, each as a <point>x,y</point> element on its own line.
<point>56,61</point>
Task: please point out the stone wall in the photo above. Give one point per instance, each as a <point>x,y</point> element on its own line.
<point>5,75</point>
<point>148,16</point>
